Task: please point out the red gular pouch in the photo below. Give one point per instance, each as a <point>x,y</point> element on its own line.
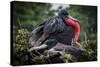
<point>73,23</point>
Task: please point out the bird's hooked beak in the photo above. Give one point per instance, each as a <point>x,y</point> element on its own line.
<point>70,17</point>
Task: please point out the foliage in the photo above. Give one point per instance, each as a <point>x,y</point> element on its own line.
<point>27,16</point>
<point>20,44</point>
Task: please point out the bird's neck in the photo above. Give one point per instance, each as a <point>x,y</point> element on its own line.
<point>75,26</point>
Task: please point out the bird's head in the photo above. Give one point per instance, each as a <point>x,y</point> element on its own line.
<point>62,13</point>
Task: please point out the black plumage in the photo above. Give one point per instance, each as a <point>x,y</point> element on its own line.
<point>53,28</point>
<point>57,29</point>
<point>54,25</point>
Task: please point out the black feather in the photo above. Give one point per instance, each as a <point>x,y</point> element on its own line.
<point>54,25</point>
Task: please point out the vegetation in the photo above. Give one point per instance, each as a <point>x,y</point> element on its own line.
<point>27,16</point>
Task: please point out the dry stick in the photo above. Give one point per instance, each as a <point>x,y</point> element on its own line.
<point>85,38</point>
<point>37,48</point>
<point>86,42</point>
<point>80,46</point>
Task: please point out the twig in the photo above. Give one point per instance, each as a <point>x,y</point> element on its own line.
<point>80,46</point>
